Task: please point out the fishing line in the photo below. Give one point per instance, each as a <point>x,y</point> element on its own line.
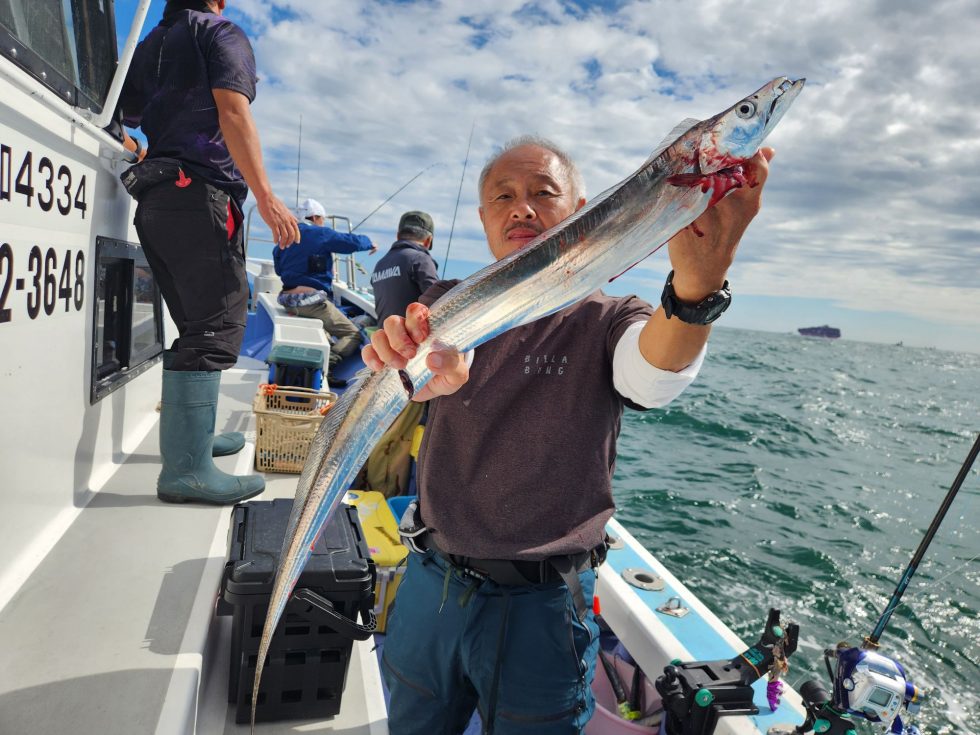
<point>458,194</point>
<point>926,585</point>
<point>392,196</point>
<point>933,583</point>
<point>299,156</point>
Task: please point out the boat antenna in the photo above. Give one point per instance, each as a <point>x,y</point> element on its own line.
<point>458,193</point>
<point>872,640</point>
<point>299,150</point>
<point>371,214</point>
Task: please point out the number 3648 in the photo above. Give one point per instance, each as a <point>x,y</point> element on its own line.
<point>51,278</point>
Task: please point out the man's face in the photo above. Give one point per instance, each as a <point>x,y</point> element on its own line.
<point>525,193</point>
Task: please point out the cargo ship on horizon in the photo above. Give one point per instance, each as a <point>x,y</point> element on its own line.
<point>825,331</point>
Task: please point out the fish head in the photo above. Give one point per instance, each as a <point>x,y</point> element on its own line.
<point>736,134</point>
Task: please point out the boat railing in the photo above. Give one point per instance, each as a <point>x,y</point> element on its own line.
<point>104,117</point>
<point>346,265</point>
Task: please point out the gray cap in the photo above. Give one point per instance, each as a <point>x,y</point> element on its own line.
<point>418,223</point>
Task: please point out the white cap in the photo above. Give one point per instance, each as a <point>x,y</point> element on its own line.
<point>310,208</point>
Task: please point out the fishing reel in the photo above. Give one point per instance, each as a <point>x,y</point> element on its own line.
<point>867,685</point>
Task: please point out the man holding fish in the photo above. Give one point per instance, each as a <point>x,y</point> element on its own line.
<point>514,475</point>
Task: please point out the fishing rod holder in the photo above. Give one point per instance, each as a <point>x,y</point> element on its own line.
<point>697,693</point>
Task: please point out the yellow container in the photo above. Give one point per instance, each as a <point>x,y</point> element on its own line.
<point>381,533</point>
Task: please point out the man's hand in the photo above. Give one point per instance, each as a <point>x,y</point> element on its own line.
<point>281,221</point>
<point>133,146</point>
<point>374,248</point>
<point>702,253</point>
<point>397,343</point>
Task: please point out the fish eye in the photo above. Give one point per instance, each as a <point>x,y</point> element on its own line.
<point>745,109</point>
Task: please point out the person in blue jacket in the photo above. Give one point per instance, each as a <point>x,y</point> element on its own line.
<point>306,270</point>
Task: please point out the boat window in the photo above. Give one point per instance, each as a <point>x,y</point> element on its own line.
<point>69,45</point>
<point>128,323</point>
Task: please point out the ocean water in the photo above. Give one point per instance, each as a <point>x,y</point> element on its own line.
<point>802,474</point>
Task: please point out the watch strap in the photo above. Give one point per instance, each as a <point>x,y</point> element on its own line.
<point>704,312</point>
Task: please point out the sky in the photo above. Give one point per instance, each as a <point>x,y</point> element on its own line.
<point>871,215</point>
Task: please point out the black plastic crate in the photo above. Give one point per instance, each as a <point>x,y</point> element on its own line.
<point>306,669</point>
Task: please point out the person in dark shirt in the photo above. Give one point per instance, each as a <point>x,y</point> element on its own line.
<point>306,270</point>
<point>189,88</point>
<point>407,270</point>
<point>515,471</point>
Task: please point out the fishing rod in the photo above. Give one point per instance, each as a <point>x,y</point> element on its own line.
<point>867,684</point>
<point>458,194</point>
<point>392,196</point>
<point>299,156</point>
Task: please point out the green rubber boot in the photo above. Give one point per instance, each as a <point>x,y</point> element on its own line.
<point>230,442</point>
<point>190,401</point>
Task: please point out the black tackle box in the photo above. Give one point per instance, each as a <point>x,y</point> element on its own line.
<point>306,668</point>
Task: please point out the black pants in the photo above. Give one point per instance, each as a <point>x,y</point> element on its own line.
<point>200,268</point>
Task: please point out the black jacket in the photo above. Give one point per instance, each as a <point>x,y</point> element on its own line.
<point>400,277</point>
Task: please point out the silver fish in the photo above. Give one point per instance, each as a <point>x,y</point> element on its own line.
<point>697,165</point>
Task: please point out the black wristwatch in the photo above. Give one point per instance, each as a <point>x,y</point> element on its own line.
<point>704,312</point>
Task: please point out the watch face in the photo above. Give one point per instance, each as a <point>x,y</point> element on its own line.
<point>715,310</point>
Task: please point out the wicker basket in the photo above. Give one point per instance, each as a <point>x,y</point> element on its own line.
<point>285,421</point>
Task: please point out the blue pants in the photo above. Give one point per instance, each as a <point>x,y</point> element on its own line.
<point>518,654</point>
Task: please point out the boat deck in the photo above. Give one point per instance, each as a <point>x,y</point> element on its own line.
<point>113,630</point>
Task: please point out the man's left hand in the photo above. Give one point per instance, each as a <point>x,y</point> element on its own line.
<point>397,342</point>
<point>702,253</point>
<point>280,220</point>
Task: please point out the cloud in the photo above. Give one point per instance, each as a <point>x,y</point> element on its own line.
<point>873,194</point>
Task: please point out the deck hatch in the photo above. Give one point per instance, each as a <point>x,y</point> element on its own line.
<point>127,328</point>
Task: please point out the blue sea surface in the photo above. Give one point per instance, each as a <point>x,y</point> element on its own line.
<point>802,473</point>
